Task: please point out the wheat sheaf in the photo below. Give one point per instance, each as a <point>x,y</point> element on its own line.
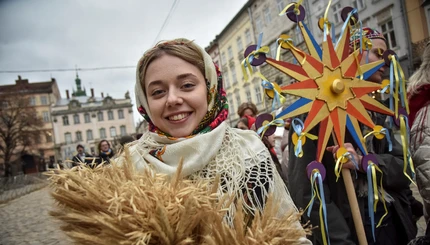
<point>116,204</point>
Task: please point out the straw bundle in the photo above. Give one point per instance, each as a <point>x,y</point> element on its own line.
<point>118,205</point>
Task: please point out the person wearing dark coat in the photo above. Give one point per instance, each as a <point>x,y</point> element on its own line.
<point>398,227</point>
<point>81,157</point>
<point>105,152</point>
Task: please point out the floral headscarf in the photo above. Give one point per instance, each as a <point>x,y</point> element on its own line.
<point>217,102</point>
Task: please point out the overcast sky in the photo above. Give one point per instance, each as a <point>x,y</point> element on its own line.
<point>53,34</point>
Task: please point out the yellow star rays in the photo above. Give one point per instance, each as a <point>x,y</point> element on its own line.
<point>332,89</point>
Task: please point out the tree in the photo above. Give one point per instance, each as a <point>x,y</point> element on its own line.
<point>19,127</point>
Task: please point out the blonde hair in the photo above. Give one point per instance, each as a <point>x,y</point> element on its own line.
<point>181,48</point>
<point>422,75</point>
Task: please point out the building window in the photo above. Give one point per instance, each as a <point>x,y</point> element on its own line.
<point>76,119</point>
<point>48,136</point>
<point>45,116</point>
<point>223,59</point>
<point>248,37</point>
<point>43,100</point>
<point>257,90</point>
<point>231,105</point>
<point>226,81</point>
<point>102,133</point>
<point>280,4</point>
<point>4,104</point>
<point>87,118</point>
<point>123,130</point>
<point>110,115</point>
<point>112,132</point>
<point>89,134</point>
<point>388,32</point>
<point>239,44</point>
<point>238,99</point>
<point>78,136</point>
<point>273,49</point>
<point>233,73</point>
<point>120,114</point>
<point>68,137</point>
<point>32,100</point>
<point>267,16</point>
<point>100,116</point>
<point>248,95</point>
<point>358,4</point>
<point>230,52</point>
<point>336,12</point>
<point>258,24</point>
<point>65,120</point>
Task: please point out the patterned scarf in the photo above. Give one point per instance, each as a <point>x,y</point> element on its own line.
<point>217,102</point>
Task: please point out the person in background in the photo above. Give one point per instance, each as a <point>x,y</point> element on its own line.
<point>80,157</point>
<point>397,227</point>
<point>105,152</point>
<point>247,108</point>
<point>284,147</point>
<point>419,122</point>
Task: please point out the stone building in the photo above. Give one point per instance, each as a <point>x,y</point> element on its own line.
<point>41,96</point>
<point>418,17</point>
<point>85,120</point>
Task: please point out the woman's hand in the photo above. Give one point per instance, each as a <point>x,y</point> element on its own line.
<point>351,150</point>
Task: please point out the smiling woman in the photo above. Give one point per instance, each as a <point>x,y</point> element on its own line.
<point>179,93</point>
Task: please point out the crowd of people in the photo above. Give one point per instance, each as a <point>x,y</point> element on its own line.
<point>186,109</point>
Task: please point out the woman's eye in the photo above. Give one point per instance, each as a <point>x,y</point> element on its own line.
<point>188,85</point>
<point>156,92</point>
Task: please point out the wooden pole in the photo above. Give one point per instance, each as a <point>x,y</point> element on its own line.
<point>352,198</point>
<point>353,203</point>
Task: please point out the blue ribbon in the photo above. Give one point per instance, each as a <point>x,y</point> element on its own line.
<point>370,199</point>
<point>320,183</point>
<point>260,39</point>
<point>298,126</point>
<point>276,98</point>
<point>345,24</point>
<point>391,93</point>
<point>387,135</point>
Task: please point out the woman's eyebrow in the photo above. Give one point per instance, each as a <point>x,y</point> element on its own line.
<point>185,75</point>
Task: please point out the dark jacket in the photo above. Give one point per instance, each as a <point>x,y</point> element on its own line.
<point>105,158</point>
<point>76,159</point>
<point>397,228</point>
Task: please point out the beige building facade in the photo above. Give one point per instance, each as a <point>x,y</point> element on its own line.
<point>86,120</point>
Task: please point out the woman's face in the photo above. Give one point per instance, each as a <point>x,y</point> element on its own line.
<point>248,112</point>
<point>378,48</point>
<point>177,95</point>
<point>104,146</point>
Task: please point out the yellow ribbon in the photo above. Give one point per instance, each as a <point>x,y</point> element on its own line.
<point>375,168</point>
<point>396,88</point>
<point>264,49</point>
<point>300,138</point>
<point>360,72</point>
<point>323,230</point>
<point>296,8</point>
<point>406,157</point>
<point>338,167</point>
<point>326,22</point>
<point>378,133</point>
<point>398,69</point>
<point>282,99</point>
<point>316,194</point>
<point>276,122</point>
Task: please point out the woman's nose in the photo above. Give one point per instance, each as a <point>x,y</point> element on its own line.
<point>173,98</point>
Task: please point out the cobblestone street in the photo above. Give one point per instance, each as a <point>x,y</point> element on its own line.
<point>26,221</point>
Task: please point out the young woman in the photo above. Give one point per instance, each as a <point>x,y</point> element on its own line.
<point>105,152</point>
<point>179,93</point>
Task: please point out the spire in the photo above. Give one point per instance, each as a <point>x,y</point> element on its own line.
<point>79,92</point>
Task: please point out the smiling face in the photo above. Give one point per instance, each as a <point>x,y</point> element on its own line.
<point>378,48</point>
<point>177,95</point>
